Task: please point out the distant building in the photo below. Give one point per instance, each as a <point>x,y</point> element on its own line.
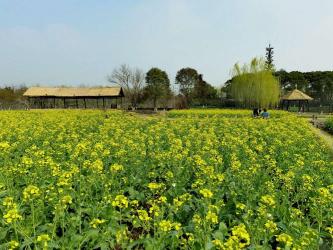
<point>108,97</point>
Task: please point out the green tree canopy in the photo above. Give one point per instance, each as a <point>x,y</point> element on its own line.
<point>203,90</point>
<point>158,85</point>
<point>317,84</point>
<point>187,78</point>
<point>254,85</point>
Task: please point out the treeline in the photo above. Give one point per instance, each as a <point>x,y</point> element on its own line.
<point>317,84</point>
<point>11,97</point>
<point>153,89</point>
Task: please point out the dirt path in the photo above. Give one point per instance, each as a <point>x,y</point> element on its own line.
<point>328,138</point>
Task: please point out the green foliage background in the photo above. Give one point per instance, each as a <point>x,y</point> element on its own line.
<point>254,86</point>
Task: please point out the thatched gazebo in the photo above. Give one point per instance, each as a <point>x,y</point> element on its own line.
<point>296,97</point>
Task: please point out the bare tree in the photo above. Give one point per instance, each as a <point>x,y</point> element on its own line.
<point>121,76</point>
<point>138,81</point>
<point>131,80</point>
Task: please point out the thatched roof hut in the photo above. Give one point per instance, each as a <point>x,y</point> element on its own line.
<point>41,97</point>
<point>296,96</point>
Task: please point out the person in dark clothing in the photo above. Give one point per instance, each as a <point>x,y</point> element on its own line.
<point>255,112</point>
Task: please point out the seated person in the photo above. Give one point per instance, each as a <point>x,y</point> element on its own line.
<point>255,112</point>
<point>265,114</point>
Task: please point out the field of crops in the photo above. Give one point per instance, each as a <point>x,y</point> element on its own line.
<point>187,180</point>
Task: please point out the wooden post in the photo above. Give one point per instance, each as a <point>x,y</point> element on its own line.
<point>103,103</point>
<point>77,103</point>
<point>64,103</point>
<point>85,104</point>
<point>54,105</point>
<point>97,102</point>
<point>28,103</point>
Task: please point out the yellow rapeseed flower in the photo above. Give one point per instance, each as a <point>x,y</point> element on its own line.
<point>165,225</point>
<point>12,215</point>
<point>9,202</point>
<point>218,244</point>
<point>120,201</point>
<point>239,238</point>
<point>143,215</point>
<point>206,193</point>
<point>96,222</point>
<point>285,238</point>
<point>13,244</point>
<point>212,217</point>
<point>155,186</point>
<point>117,167</point>
<point>31,192</point>
<point>271,226</point>
<point>66,200</point>
<point>268,200</point>
<point>44,238</point>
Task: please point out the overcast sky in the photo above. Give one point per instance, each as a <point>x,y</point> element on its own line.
<point>74,42</point>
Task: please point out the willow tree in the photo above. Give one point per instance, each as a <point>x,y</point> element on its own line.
<point>254,86</point>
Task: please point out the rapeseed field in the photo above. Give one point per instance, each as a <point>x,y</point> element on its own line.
<point>195,179</point>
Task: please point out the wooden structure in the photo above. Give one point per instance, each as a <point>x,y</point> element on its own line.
<point>74,97</point>
<point>296,97</point>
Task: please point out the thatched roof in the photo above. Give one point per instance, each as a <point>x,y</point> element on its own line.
<point>75,92</point>
<point>296,95</point>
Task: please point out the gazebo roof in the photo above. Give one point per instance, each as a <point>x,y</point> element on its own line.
<point>296,95</point>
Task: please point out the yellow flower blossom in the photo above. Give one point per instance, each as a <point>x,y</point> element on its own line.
<point>31,192</point>
<point>66,200</point>
<point>330,231</point>
<point>44,238</point>
<point>154,210</point>
<point>117,167</point>
<point>271,226</point>
<point>212,217</point>
<point>218,244</point>
<point>285,238</point>
<point>121,235</point>
<point>120,201</point>
<point>239,238</point>
<point>165,225</point>
<point>9,202</point>
<point>96,222</point>
<point>206,193</point>
<point>155,186</point>
<point>162,199</point>
<point>268,200</point>
<point>13,244</point>
<point>143,215</point>
<point>240,206</point>
<point>12,215</point>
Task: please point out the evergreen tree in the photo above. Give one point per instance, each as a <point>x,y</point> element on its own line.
<point>269,58</point>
